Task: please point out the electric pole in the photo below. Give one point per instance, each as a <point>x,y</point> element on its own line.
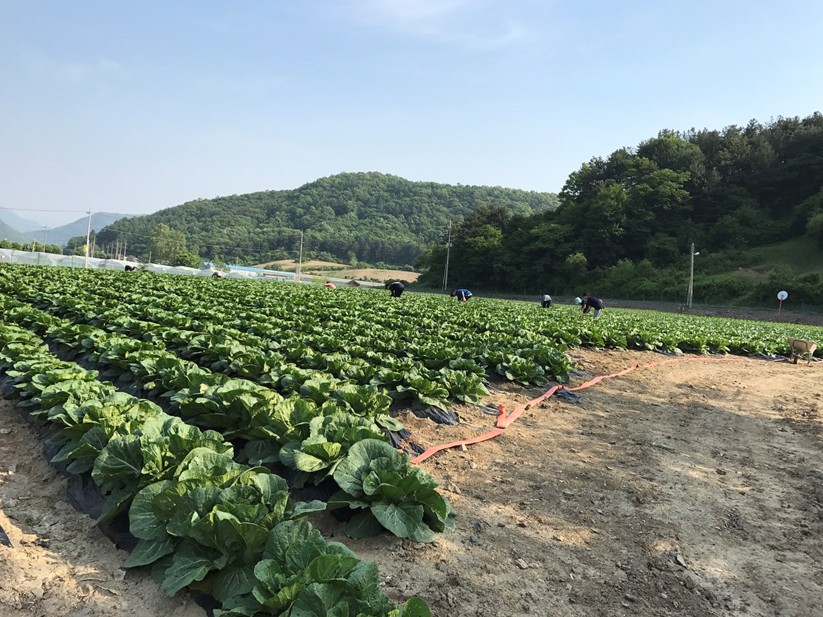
<point>88,238</point>
<point>300,258</point>
<point>448,251</point>
<point>691,277</point>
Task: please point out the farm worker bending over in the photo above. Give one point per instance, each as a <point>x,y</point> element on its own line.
<point>396,289</point>
<point>547,301</point>
<point>590,302</point>
<point>461,294</point>
<point>330,285</point>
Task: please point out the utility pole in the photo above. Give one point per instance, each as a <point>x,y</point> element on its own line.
<point>691,277</point>
<point>88,239</point>
<point>448,251</point>
<point>45,232</point>
<point>300,258</point>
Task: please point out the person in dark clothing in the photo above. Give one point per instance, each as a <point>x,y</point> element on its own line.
<point>461,294</point>
<point>590,302</point>
<point>129,268</point>
<point>547,301</point>
<point>396,289</point>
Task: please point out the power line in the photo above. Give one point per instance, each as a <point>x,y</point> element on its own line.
<point>42,210</point>
<point>106,214</point>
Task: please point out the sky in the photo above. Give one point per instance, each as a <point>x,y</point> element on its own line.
<point>135,106</point>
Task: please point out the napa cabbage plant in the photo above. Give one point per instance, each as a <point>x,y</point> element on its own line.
<point>212,515</point>
<point>302,575</point>
<point>391,494</point>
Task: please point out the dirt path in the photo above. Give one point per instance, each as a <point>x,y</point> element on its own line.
<point>693,488</point>
<point>58,564</point>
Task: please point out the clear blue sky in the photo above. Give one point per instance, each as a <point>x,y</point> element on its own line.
<point>133,106</point>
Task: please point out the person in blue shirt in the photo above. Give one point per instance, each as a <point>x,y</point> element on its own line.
<point>590,302</point>
<point>461,294</point>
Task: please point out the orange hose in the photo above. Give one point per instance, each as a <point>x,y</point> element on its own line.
<point>503,420</point>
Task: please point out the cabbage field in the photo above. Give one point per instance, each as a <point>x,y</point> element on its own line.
<point>200,407</point>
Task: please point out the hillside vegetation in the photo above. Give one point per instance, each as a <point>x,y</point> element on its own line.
<point>370,217</point>
<point>751,200</point>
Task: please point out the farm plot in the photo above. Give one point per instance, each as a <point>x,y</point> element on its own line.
<point>305,380</point>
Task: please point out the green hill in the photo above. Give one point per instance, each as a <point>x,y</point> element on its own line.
<point>802,255</point>
<point>370,217</point>
<point>749,199</point>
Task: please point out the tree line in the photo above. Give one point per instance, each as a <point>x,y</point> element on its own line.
<point>353,217</point>
<point>625,223</point>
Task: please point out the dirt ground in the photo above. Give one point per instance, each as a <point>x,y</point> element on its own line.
<point>290,265</point>
<point>372,274</point>
<point>58,564</point>
<point>343,271</point>
<point>689,488</point>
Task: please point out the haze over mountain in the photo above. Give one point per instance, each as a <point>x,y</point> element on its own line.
<point>12,235</point>
<point>60,235</point>
<point>17,222</point>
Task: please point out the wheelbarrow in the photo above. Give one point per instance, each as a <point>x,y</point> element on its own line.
<point>800,348</point>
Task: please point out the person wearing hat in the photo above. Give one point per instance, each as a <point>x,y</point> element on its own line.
<point>591,302</point>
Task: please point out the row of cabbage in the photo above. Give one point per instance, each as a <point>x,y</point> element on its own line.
<point>304,377</point>
<point>423,353</point>
<point>310,438</point>
<point>306,324</point>
<point>198,514</point>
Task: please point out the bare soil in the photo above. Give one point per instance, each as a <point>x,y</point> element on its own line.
<point>59,564</point>
<point>331,269</point>
<point>290,265</point>
<point>688,488</point>
<point>373,274</point>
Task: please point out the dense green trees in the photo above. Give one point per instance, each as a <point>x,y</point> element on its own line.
<point>31,246</point>
<point>370,217</point>
<point>622,224</point>
<point>626,222</point>
<point>166,244</point>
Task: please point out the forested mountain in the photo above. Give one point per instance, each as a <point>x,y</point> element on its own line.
<point>370,217</point>
<point>61,235</point>
<point>626,223</point>
<point>12,235</point>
